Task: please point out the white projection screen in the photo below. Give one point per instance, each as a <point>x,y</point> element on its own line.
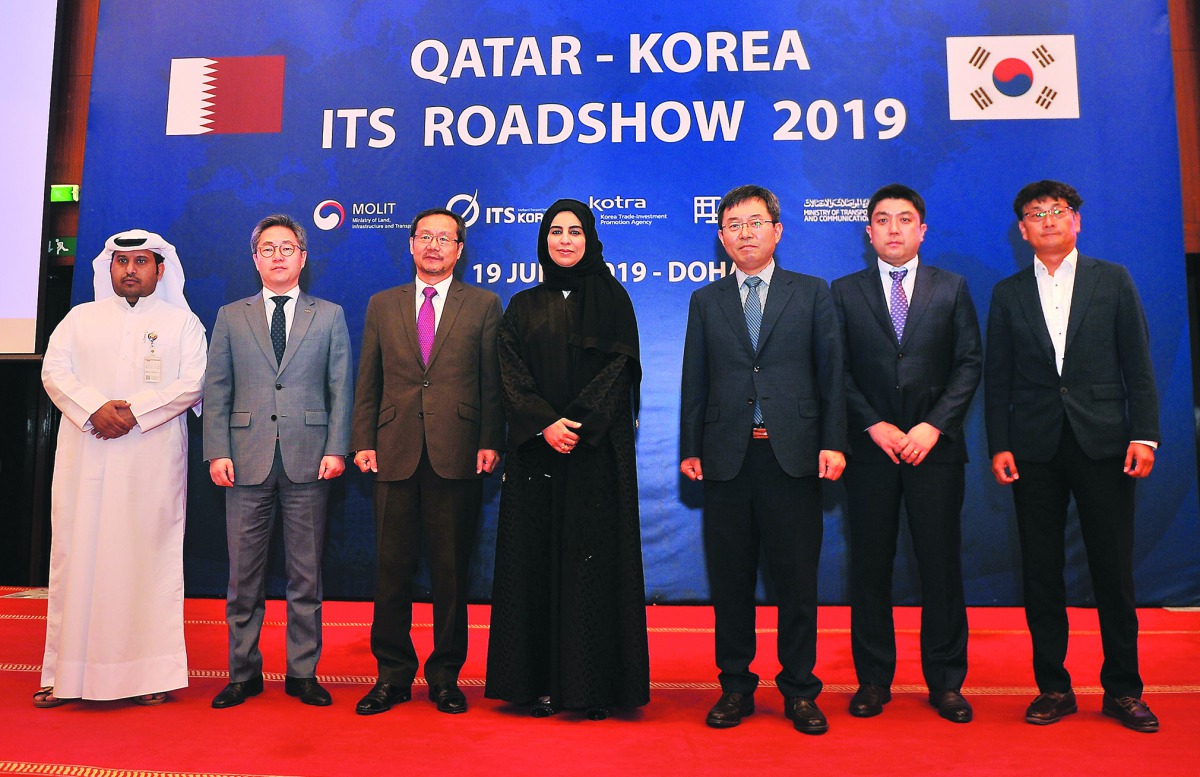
<point>28,57</point>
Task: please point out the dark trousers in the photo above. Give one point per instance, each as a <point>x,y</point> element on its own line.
<point>764,510</point>
<point>932,495</point>
<point>1104,500</point>
<point>249,515</point>
<point>441,515</point>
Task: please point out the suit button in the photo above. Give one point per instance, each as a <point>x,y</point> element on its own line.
<point>274,417</point>
<point>750,401</point>
<point>757,368</point>
<point>425,384</point>
<point>900,356</point>
<point>420,415</point>
<point>1062,390</point>
<point>278,386</point>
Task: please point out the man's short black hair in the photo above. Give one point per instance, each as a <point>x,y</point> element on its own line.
<point>458,220</point>
<point>1043,190</point>
<point>896,191</point>
<point>749,192</point>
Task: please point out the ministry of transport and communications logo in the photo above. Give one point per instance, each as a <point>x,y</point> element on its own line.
<point>225,95</point>
<point>1012,77</point>
<point>329,214</point>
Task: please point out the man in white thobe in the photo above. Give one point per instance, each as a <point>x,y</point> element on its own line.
<point>123,370</point>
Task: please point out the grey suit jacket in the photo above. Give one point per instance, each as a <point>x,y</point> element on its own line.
<point>930,375</point>
<point>250,399</point>
<point>1106,389</point>
<point>796,374</point>
<point>452,407</point>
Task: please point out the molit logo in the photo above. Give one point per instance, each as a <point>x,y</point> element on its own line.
<point>1012,77</point>
<point>225,95</point>
<point>329,214</point>
<point>470,214</point>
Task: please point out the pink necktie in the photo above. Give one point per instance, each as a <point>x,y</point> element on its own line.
<point>426,328</point>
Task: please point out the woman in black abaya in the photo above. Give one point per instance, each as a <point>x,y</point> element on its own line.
<point>568,626</point>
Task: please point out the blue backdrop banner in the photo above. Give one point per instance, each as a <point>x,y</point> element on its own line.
<point>351,117</point>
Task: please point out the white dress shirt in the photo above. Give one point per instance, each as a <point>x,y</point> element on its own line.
<point>289,307</point>
<point>439,300</point>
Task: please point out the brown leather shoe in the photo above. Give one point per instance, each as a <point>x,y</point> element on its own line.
<point>805,716</point>
<point>952,706</point>
<point>730,709</point>
<point>1132,713</point>
<point>868,700</point>
<point>1051,707</point>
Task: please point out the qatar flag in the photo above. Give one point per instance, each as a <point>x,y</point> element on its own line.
<point>225,95</point>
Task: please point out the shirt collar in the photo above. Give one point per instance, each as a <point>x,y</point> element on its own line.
<point>765,274</point>
<point>292,294</point>
<point>885,269</point>
<point>1070,260</point>
<point>442,287</point>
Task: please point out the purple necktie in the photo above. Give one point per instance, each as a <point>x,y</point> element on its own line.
<point>899,301</point>
<point>426,327</point>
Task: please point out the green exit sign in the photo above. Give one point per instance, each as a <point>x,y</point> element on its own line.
<point>62,246</point>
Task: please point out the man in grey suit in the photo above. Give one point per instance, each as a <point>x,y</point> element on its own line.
<point>278,397</point>
<point>911,371</point>
<point>1072,410</point>
<point>762,420</point>
<point>429,422</point>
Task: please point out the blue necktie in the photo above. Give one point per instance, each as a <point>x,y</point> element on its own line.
<point>753,311</point>
<point>899,301</point>
<point>279,328</point>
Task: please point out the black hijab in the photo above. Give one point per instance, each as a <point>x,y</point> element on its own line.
<point>606,322</point>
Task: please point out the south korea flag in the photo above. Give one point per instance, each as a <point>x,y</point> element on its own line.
<point>1012,77</point>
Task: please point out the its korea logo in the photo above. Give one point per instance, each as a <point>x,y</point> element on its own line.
<point>225,95</point>
<point>1012,77</point>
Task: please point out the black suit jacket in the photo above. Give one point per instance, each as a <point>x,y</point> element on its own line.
<point>930,375</point>
<point>1106,389</point>
<point>796,374</point>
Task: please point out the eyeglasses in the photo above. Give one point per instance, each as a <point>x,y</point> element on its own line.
<point>1057,212</point>
<point>735,228</point>
<point>442,240</point>
<point>267,250</point>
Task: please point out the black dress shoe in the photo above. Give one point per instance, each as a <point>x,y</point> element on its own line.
<point>448,698</point>
<point>952,706</point>
<point>868,700</point>
<point>542,708</point>
<point>805,716</point>
<point>1131,711</point>
<point>597,713</point>
<point>730,709</point>
<point>382,697</point>
<point>1051,707</point>
<point>308,690</point>
<point>235,693</point>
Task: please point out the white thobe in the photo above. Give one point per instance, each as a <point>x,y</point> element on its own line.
<point>114,624</point>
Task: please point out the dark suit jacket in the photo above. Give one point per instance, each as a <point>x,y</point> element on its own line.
<point>796,374</point>
<point>452,408</point>
<point>304,401</point>
<point>1106,389</point>
<point>930,375</point>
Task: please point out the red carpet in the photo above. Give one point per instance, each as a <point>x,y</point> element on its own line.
<point>275,735</point>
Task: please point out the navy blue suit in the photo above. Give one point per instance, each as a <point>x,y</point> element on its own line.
<point>763,492</point>
<point>929,375</point>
